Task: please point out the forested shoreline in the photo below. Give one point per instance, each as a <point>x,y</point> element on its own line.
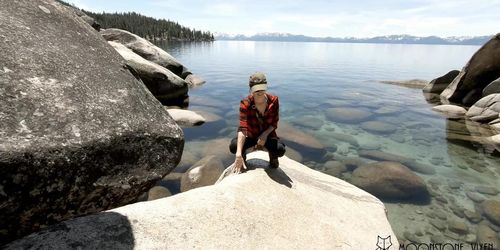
<point>150,28</point>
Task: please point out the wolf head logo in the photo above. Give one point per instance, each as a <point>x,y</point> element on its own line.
<point>383,243</point>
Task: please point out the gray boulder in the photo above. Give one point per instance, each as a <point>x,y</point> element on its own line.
<point>437,85</point>
<point>146,49</point>
<point>79,133</point>
<point>293,207</point>
<point>162,83</point>
<point>481,70</point>
<point>389,180</point>
<point>485,110</point>
<point>492,88</point>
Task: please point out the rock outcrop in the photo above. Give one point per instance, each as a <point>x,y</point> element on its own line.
<point>439,84</point>
<point>79,133</point>
<point>152,53</point>
<point>485,110</point>
<point>481,70</point>
<point>162,83</point>
<point>292,207</point>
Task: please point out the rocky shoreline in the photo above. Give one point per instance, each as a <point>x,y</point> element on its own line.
<point>85,133</point>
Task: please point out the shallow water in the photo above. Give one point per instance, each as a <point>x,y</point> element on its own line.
<point>315,79</point>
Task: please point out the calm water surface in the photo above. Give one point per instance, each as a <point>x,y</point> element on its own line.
<point>312,79</point>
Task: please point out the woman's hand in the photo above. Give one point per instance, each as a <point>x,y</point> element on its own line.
<point>239,164</point>
<point>261,141</point>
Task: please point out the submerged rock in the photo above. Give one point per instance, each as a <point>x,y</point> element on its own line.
<point>79,133</point>
<point>491,209</point>
<point>389,180</point>
<point>203,173</point>
<point>262,208</point>
<point>378,127</point>
<point>158,192</point>
<point>347,115</point>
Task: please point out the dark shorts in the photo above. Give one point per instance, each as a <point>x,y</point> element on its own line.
<point>273,145</point>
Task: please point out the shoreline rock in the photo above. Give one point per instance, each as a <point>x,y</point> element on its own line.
<point>261,208</point>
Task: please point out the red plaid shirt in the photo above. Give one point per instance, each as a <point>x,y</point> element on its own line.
<point>249,117</point>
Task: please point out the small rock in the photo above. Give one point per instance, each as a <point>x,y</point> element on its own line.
<point>458,227</point>
<point>440,225</point>
<point>491,209</point>
<point>487,190</point>
<point>475,197</point>
<point>158,192</point>
<point>472,216</point>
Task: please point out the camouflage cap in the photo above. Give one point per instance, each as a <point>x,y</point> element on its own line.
<point>257,82</point>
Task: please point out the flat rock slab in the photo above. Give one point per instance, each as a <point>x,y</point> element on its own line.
<point>292,207</point>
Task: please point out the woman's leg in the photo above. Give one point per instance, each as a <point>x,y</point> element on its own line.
<point>249,142</point>
<point>276,149</point>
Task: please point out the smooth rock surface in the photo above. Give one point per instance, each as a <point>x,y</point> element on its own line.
<point>292,207</point>
<point>162,83</point>
<point>145,49</point>
<point>492,88</point>
<point>158,192</point>
<point>347,115</point>
<point>486,109</point>
<point>491,209</point>
<point>437,85</point>
<point>452,111</point>
<point>187,118</point>
<point>79,133</point>
<point>378,127</point>
<point>390,180</point>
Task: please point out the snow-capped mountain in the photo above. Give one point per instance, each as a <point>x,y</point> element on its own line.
<point>405,39</point>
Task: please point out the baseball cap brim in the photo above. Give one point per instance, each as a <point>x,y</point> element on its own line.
<point>258,87</point>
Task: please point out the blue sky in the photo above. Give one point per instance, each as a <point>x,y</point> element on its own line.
<point>320,18</point>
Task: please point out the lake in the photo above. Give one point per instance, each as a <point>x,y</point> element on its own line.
<point>319,82</point>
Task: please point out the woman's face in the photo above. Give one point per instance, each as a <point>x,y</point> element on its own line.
<point>259,94</point>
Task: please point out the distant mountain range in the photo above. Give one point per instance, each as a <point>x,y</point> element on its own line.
<point>401,39</point>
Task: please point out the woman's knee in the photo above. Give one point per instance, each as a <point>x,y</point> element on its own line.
<point>233,145</point>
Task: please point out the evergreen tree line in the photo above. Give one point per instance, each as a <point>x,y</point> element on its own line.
<point>148,27</point>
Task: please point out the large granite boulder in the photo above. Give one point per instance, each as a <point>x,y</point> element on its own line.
<point>292,207</point>
<point>485,110</point>
<point>390,180</point>
<point>481,70</point>
<point>437,85</point>
<point>79,133</point>
<point>162,83</point>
